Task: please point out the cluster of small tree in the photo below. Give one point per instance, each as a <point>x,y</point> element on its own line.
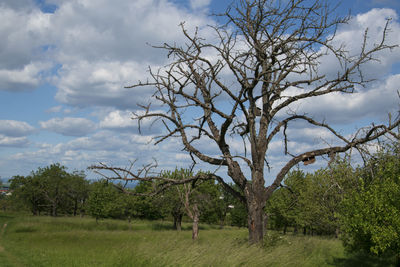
<point>310,202</point>
<point>50,190</point>
<point>199,201</point>
<point>54,191</point>
<point>361,205</point>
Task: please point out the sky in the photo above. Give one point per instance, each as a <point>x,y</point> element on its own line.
<point>64,65</point>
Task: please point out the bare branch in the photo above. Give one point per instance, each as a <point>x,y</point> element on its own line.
<point>374,133</point>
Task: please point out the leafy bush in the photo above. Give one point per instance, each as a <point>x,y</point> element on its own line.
<point>370,217</point>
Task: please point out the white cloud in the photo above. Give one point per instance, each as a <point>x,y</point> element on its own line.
<point>311,135</point>
<point>108,141</point>
<point>54,109</point>
<point>198,4</point>
<point>377,102</point>
<point>69,126</point>
<point>77,36</point>
<point>118,119</point>
<point>377,98</point>
<point>22,60</point>
<point>81,152</point>
<point>15,128</point>
<point>86,84</point>
<point>122,121</point>
<point>100,56</point>
<point>17,4</point>
<point>6,141</point>
<point>23,79</point>
<point>182,156</point>
<point>351,35</point>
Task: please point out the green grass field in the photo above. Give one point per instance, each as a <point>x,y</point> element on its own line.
<point>45,241</point>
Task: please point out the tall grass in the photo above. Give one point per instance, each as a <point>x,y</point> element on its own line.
<point>45,241</point>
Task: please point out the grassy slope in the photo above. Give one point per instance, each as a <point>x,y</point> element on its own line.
<point>45,241</point>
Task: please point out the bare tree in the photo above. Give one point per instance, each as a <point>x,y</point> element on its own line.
<point>191,207</point>
<point>239,87</point>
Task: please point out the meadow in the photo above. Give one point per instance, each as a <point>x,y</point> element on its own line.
<point>68,241</point>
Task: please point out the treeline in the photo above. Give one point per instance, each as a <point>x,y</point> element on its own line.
<point>54,191</point>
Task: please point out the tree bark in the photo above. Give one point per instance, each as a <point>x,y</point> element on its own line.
<point>255,220</point>
<point>177,221</point>
<point>130,222</point>
<point>75,207</point>
<point>82,209</point>
<point>196,217</point>
<point>34,210</point>
<point>255,201</point>
<point>54,210</point>
<point>265,222</point>
<point>337,233</point>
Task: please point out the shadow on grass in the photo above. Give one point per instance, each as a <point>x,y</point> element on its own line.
<point>6,216</point>
<point>25,229</point>
<point>185,227</point>
<point>166,227</point>
<point>162,227</point>
<point>363,259</point>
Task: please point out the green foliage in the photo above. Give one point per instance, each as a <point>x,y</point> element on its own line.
<point>238,214</point>
<point>284,208</point>
<point>51,189</point>
<point>105,201</point>
<point>206,193</point>
<point>211,208</point>
<point>142,206</point>
<point>53,185</point>
<point>371,216</point>
<point>311,201</point>
<point>323,193</point>
<point>236,209</point>
<point>170,202</point>
<point>27,191</point>
<point>78,192</point>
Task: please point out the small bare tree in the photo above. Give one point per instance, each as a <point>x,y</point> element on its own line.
<point>188,186</point>
<point>191,207</point>
<point>241,87</point>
